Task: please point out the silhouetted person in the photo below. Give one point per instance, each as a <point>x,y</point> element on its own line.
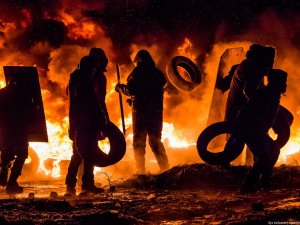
<point>254,121</point>
<point>13,136</point>
<point>248,77</point>
<point>224,84</point>
<point>88,117</point>
<point>145,85</point>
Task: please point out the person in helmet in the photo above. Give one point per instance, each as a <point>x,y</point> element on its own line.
<point>253,121</point>
<point>145,85</point>
<point>88,117</point>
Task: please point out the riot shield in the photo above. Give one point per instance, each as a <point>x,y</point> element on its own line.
<point>231,57</point>
<point>29,86</point>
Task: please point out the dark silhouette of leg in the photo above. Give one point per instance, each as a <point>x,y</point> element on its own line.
<point>258,144</point>
<point>87,143</point>
<point>273,154</point>
<point>21,150</point>
<point>4,167</point>
<point>71,178</point>
<point>159,152</point>
<point>139,148</point>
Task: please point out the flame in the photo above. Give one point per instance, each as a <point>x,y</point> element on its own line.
<point>58,148</point>
<point>83,28</point>
<point>2,84</point>
<point>291,148</point>
<point>186,49</point>
<point>86,29</point>
<point>175,138</point>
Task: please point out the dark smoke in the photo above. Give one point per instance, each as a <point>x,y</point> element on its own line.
<point>161,21</point>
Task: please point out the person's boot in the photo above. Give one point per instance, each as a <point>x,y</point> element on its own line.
<point>91,188</point>
<point>162,162</point>
<point>12,186</point>
<point>140,164</point>
<point>3,176</point>
<point>71,190</point>
<point>163,167</point>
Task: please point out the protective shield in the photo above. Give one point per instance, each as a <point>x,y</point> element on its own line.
<point>231,57</point>
<point>29,87</point>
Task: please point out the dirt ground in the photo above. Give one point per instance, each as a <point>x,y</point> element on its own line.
<point>188,194</point>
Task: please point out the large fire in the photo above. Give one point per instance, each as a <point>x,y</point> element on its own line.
<point>185,114</point>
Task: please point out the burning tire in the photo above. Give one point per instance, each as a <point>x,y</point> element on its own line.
<point>234,147</point>
<point>191,70</point>
<point>117,148</point>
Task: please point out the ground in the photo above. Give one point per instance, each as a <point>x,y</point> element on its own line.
<point>187,194</point>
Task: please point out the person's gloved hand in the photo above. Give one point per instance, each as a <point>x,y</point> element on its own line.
<point>119,87</point>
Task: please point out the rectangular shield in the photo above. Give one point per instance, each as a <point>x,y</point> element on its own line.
<point>30,89</point>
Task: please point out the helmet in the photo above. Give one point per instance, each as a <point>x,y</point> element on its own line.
<point>262,55</point>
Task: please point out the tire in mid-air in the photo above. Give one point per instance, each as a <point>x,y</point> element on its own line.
<point>117,148</point>
<point>176,78</point>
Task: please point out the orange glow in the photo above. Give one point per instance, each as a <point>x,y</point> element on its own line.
<point>58,148</point>
<point>85,30</point>
<point>175,138</point>
<point>186,49</point>
<point>184,118</point>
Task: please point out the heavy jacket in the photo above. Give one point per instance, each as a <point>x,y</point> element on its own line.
<point>145,85</point>
<point>246,80</point>
<point>87,103</point>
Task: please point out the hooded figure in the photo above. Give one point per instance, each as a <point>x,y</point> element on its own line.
<point>145,85</point>
<point>254,120</point>
<point>88,117</point>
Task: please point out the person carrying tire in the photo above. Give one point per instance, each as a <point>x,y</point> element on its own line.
<point>13,135</point>
<point>88,117</point>
<point>253,121</point>
<point>145,85</point>
<point>248,77</point>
